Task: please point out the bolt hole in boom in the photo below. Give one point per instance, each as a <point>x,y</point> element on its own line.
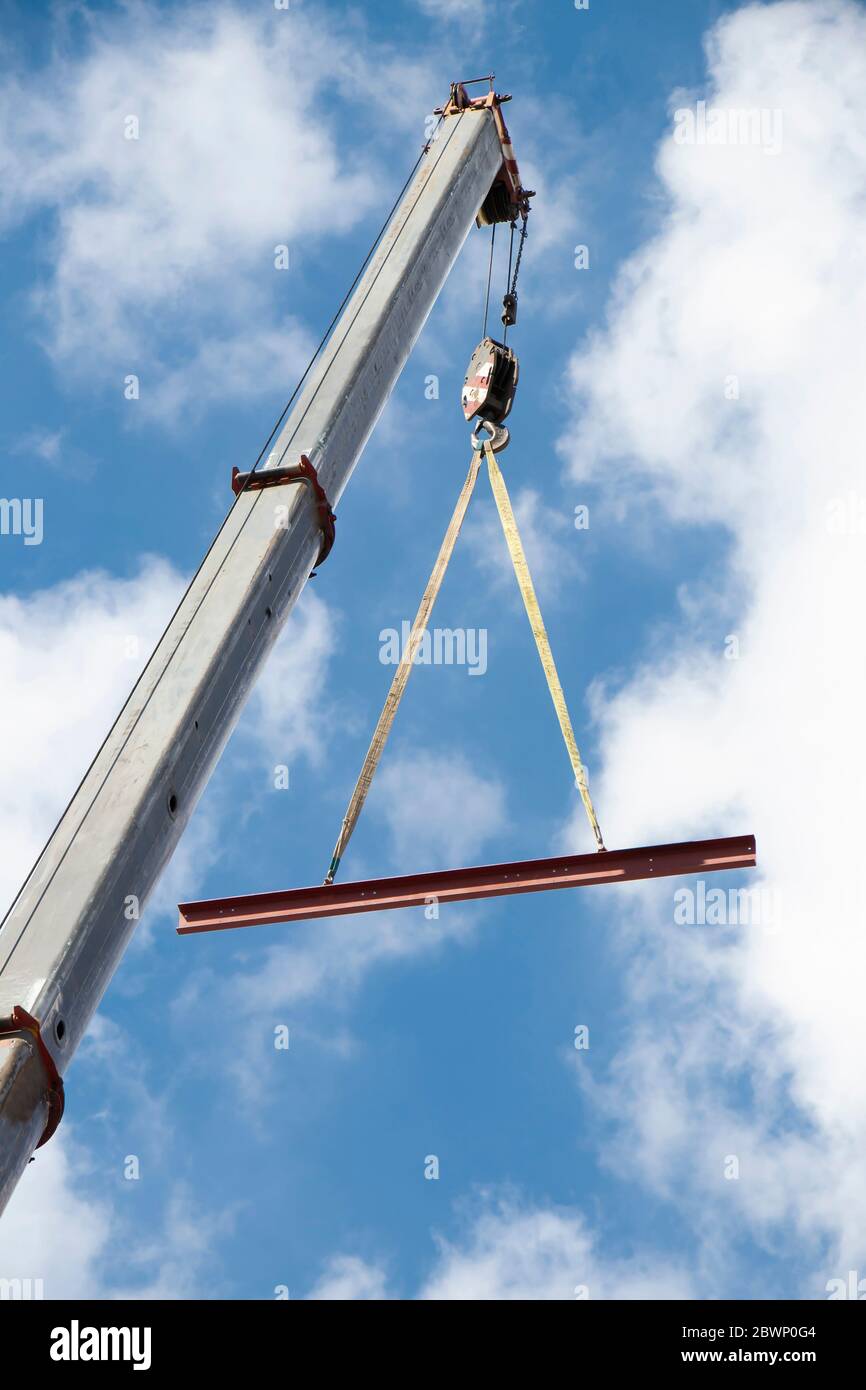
<point>172,804</point>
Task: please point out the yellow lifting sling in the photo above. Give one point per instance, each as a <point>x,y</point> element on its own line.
<point>419,627</point>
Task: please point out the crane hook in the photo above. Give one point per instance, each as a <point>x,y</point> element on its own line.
<point>499,438</point>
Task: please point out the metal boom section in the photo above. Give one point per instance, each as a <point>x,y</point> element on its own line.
<point>67,929</point>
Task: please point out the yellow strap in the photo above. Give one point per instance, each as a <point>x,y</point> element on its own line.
<point>404,669</point>
<point>539,632</point>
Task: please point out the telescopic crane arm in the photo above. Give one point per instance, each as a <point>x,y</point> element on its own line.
<point>67,930</point>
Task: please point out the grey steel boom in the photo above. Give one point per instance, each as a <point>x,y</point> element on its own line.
<point>70,924</point>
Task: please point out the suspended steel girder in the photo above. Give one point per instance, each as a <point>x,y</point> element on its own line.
<point>461,885</point>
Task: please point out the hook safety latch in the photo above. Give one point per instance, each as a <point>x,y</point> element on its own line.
<point>302,472</point>
<point>23,1025</point>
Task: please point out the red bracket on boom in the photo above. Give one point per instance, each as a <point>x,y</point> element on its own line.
<point>302,472</point>
<point>507,199</point>
<point>21,1024</point>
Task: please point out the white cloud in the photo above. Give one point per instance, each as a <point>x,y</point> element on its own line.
<point>549,542</point>
<point>513,1250</point>
<point>327,962</point>
<point>756,277</point>
<point>70,655</point>
<point>290,712</point>
<point>76,638</point>
<point>317,971</point>
<point>455,10</point>
<point>79,1246</point>
<point>555,165</point>
<point>159,258</point>
<point>41,444</point>
<point>163,238</point>
<point>439,811</point>
<point>257,363</point>
<point>349,1278</point>
<point>50,1231</point>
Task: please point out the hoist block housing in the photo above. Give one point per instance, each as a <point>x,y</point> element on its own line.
<point>490,382</point>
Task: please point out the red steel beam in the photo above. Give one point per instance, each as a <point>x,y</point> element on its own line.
<point>460,885</point>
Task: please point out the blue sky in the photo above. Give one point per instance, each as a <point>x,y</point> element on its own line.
<point>674,389</point>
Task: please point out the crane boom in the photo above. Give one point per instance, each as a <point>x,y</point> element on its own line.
<point>66,931</point>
